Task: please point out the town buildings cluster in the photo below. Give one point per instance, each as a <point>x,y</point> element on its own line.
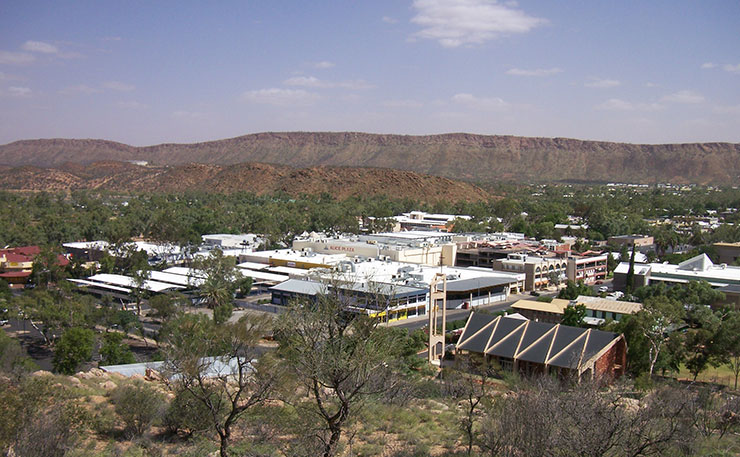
<point>390,275</point>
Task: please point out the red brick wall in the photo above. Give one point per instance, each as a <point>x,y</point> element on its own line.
<point>616,355</point>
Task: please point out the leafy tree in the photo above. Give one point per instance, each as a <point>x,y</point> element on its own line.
<point>623,253</point>
<point>573,289</point>
<point>55,311</point>
<point>222,313</point>
<point>410,344</point>
<point>729,342</point>
<point>573,315</point>
<point>339,358</point>
<point>123,320</point>
<point>217,277</point>
<point>229,384</point>
<point>114,352</point>
<point>107,263</point>
<point>244,286</point>
<point>129,259</point>
<point>555,278</point>
<point>697,294</point>
<point>630,279</point>
<point>74,347</point>
<point>659,316</point>
<point>380,224</point>
<point>47,268</point>
<point>5,292</point>
<point>13,359</point>
<point>167,306</point>
<point>611,262</point>
<point>139,290</point>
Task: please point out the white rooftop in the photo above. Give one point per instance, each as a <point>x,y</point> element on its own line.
<point>699,268</point>
<point>290,255</point>
<point>184,271</point>
<point>181,280</point>
<point>263,276</point>
<point>129,282</point>
<point>84,282</point>
<point>253,265</point>
<point>360,271</point>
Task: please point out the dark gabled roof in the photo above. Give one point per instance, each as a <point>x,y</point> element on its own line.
<point>535,330</point>
<point>537,351</point>
<point>565,336</point>
<point>548,344</point>
<point>506,347</point>
<point>596,342</point>
<point>571,355</point>
<point>536,343</point>
<point>476,322</point>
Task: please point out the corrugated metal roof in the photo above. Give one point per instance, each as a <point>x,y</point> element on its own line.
<point>557,306</point>
<point>482,282</point>
<point>100,284</point>
<point>212,366</point>
<point>127,281</point>
<point>173,278</point>
<point>263,276</point>
<point>298,286</point>
<point>612,306</point>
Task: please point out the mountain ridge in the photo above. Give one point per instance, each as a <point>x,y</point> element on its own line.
<point>258,178</point>
<point>473,157</point>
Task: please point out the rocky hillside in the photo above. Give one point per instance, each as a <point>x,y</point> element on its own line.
<point>258,178</point>
<point>458,156</point>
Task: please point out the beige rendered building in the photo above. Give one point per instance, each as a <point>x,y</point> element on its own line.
<point>540,271</point>
<point>428,249</point>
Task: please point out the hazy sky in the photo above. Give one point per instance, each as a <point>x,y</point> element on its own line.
<point>146,72</point>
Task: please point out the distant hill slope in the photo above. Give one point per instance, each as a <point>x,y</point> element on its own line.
<point>258,178</point>
<point>457,155</point>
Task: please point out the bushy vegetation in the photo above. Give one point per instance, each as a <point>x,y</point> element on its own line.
<point>139,406</point>
<point>52,219</point>
<point>337,384</point>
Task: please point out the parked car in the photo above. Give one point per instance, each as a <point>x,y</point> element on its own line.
<point>603,289</point>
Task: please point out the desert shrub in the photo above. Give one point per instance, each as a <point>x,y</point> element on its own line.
<point>49,433</point>
<point>139,407</point>
<point>103,419</point>
<point>187,414</point>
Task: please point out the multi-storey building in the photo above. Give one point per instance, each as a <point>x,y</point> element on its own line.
<point>588,268</point>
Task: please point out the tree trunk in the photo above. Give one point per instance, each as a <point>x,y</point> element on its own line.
<point>331,447</point>
<point>470,440</point>
<point>224,451</point>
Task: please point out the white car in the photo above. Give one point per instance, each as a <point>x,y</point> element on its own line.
<point>603,289</point>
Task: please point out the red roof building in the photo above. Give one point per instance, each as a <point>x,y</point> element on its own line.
<point>16,264</point>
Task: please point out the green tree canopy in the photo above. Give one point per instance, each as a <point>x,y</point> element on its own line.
<point>74,347</point>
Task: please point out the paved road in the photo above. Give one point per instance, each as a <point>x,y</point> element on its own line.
<point>456,314</point>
